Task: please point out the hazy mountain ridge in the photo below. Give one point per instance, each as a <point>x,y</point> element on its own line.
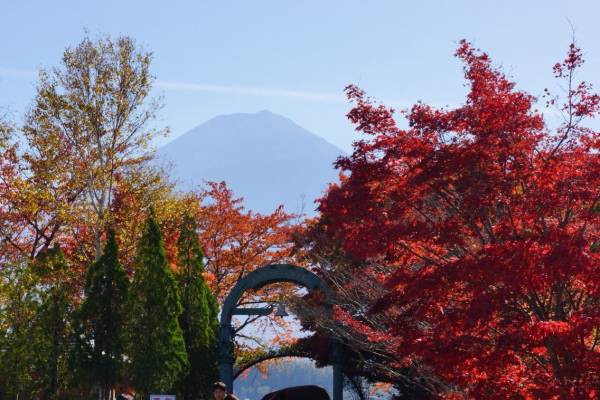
<point>264,157</point>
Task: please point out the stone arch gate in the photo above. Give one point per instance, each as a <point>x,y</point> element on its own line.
<point>258,279</point>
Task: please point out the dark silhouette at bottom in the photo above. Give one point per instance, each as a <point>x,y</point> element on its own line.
<point>308,392</point>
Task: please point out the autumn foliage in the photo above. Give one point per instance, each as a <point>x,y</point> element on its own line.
<point>463,246</point>
<point>82,163</point>
<point>235,240</point>
<point>482,223</point>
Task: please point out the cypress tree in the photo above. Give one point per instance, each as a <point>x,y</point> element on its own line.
<point>100,319</point>
<point>199,317</point>
<point>156,347</point>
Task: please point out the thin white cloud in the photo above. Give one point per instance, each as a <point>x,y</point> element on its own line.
<point>210,88</point>
<point>269,92</point>
<point>252,91</point>
<point>227,89</point>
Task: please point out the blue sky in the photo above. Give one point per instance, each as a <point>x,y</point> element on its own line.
<point>295,57</point>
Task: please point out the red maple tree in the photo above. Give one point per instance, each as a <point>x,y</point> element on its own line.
<point>237,241</point>
<point>488,222</point>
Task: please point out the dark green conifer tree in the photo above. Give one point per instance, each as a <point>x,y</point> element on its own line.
<point>100,321</point>
<point>156,350</point>
<point>199,317</point>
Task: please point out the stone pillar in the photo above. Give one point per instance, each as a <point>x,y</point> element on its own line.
<point>226,358</point>
<point>338,375</point>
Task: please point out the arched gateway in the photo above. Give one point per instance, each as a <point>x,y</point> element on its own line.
<point>255,280</point>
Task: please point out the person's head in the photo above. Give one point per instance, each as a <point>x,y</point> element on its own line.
<point>219,390</point>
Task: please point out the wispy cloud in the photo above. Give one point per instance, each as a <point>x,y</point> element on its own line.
<point>251,91</point>
<point>311,96</point>
<point>210,88</point>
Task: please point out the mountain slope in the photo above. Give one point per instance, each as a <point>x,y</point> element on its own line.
<point>264,157</point>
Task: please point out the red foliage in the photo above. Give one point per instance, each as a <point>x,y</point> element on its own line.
<point>237,241</point>
<point>492,219</point>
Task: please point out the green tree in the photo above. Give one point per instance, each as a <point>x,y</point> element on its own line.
<point>100,319</point>
<point>19,305</point>
<point>199,317</point>
<point>156,347</point>
<point>52,328</point>
<point>36,327</point>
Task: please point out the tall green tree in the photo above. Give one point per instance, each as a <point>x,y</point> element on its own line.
<point>157,352</point>
<point>36,327</point>
<point>199,317</point>
<point>19,305</point>
<point>100,340</point>
<point>52,328</point>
